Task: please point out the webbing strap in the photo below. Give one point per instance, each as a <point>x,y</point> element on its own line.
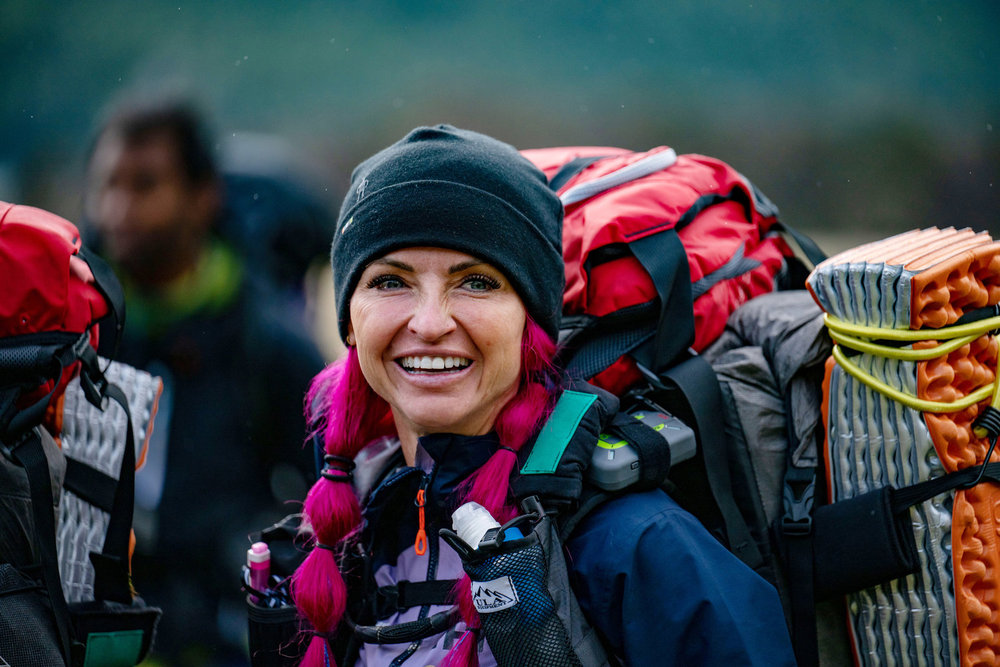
<point>31,456</point>
<point>557,432</point>
<point>663,256</point>
<point>734,267</point>
<point>406,594</point>
<point>90,484</point>
<point>111,566</point>
<point>808,247</point>
<point>908,496</point>
<point>28,417</point>
<point>108,285</point>
<point>799,558</point>
<point>571,169</point>
<point>699,386</point>
<point>796,524</point>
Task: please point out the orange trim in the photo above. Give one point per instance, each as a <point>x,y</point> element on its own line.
<point>141,457</point>
<point>420,545</point>
<point>825,409</point>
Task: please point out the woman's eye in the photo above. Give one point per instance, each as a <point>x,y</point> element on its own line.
<point>385,282</point>
<point>481,283</point>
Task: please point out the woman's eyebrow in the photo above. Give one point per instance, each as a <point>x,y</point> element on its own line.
<point>462,266</point>
<point>402,266</point>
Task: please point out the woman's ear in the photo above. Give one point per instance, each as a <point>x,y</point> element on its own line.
<point>350,335</point>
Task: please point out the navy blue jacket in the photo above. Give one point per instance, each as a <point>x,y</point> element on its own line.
<point>663,591</point>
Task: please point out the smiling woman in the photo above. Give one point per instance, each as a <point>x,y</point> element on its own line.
<point>438,336</point>
<point>448,272</point>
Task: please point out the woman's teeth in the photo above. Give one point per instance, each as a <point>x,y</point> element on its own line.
<point>433,363</point>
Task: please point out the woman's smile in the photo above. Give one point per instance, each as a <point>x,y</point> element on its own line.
<point>433,364</point>
<point>438,335</point>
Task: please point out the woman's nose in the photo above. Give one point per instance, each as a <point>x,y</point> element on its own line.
<point>431,319</point>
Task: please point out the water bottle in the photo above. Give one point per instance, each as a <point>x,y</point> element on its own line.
<point>472,522</point>
<point>259,562</point>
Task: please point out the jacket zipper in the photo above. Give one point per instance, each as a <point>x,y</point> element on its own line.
<point>420,544</point>
<point>432,562</point>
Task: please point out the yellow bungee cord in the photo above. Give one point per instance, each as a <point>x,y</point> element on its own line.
<point>861,338</point>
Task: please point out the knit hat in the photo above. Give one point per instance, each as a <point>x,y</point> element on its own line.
<point>450,188</point>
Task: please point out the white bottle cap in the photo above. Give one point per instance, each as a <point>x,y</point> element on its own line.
<point>471,521</point>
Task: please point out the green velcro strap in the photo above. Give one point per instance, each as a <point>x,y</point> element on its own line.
<point>557,432</point>
<point>113,649</point>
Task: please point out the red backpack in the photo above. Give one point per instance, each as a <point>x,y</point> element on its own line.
<point>50,302</point>
<point>53,293</point>
<point>660,248</point>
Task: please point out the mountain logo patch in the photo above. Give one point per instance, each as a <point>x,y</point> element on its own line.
<point>496,595</point>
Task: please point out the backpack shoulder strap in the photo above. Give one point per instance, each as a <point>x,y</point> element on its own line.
<point>695,396</point>
<point>557,459</point>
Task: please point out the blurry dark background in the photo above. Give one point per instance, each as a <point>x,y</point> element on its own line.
<point>858,119</point>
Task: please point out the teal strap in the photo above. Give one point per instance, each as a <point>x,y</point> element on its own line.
<point>557,432</point>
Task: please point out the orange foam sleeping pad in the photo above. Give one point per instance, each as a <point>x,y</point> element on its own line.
<point>953,276</point>
<point>950,273</point>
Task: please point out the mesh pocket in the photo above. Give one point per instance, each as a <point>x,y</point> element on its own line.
<point>275,639</point>
<point>519,618</point>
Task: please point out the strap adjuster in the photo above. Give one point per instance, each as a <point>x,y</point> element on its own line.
<point>797,520</point>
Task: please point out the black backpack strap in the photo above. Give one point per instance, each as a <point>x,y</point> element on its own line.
<point>637,330</point>
<point>571,169</point>
<point>31,456</point>
<point>697,400</point>
<point>90,484</point>
<point>797,537</point>
<point>112,580</point>
<point>809,248</point>
<point>108,285</point>
<point>797,542</point>
<point>405,594</point>
<point>663,256</point>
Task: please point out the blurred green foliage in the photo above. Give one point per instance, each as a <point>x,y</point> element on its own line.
<point>870,116</point>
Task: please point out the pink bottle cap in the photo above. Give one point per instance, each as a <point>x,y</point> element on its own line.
<point>258,553</point>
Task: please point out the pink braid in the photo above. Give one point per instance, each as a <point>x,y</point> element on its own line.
<point>489,486</point>
<point>344,408</point>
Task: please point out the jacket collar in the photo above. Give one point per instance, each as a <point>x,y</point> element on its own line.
<point>452,459</point>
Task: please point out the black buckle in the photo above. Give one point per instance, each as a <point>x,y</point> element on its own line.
<point>797,520</point>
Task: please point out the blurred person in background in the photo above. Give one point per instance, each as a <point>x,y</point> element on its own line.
<point>203,315</point>
<point>276,212</point>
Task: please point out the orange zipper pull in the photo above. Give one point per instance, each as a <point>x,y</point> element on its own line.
<point>420,545</point>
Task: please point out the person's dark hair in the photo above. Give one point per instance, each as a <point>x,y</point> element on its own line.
<point>138,121</point>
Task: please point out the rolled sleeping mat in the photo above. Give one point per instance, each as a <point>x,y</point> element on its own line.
<point>98,439</point>
<point>914,366</point>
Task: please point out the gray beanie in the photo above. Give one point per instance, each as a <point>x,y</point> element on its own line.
<point>450,188</point>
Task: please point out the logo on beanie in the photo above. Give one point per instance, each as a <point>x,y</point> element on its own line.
<point>361,188</point>
<point>496,595</point>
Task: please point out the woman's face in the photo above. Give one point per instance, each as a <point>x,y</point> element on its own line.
<point>438,335</point>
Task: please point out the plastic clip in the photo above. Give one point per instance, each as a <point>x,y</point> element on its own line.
<point>797,520</point>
